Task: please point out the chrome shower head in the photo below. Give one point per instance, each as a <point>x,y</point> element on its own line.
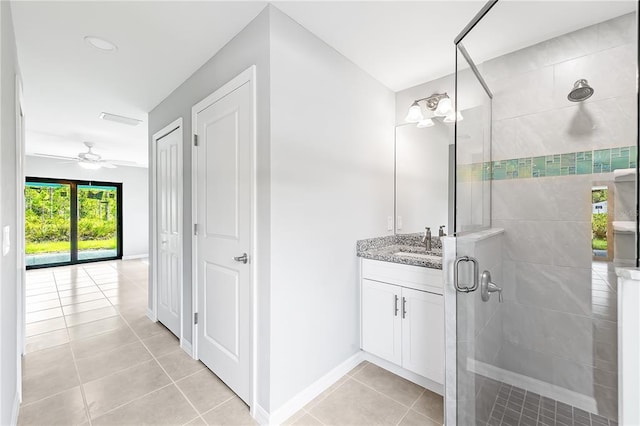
<point>581,91</point>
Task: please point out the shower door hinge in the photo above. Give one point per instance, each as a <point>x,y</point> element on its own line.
<point>195,229</point>
<point>195,318</point>
<point>195,140</point>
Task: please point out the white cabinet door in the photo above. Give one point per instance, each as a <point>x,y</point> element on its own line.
<point>381,321</point>
<point>423,334</point>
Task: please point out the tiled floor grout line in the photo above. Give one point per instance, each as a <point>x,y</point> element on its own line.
<point>381,393</point>
<point>73,357</point>
<point>313,416</point>
<point>153,356</point>
<point>410,408</point>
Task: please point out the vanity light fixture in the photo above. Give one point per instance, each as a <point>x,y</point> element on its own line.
<point>427,122</point>
<point>415,113</point>
<point>453,117</point>
<point>437,105</point>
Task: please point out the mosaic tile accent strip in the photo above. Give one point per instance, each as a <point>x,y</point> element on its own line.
<point>571,163</point>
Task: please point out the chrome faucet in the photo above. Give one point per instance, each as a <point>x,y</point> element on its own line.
<point>441,232</point>
<point>427,238</point>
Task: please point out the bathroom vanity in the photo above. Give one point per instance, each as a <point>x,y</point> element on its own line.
<point>402,307</point>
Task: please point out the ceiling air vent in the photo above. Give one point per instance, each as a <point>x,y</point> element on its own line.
<point>120,119</point>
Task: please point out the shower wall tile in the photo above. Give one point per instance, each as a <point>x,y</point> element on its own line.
<point>572,45</point>
<point>518,238</point>
<point>617,31</point>
<point>521,360</point>
<point>571,245</point>
<point>521,199</point>
<point>607,399</point>
<point>555,333</point>
<point>572,375</point>
<point>550,287</point>
<point>522,94</point>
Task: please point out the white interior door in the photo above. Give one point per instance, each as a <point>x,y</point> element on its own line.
<point>169,220</point>
<point>224,129</point>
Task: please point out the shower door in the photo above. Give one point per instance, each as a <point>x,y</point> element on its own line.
<point>478,246</point>
<point>545,210</point>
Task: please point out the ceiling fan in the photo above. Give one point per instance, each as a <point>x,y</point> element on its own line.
<point>89,159</point>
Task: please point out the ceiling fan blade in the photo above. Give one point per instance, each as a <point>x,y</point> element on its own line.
<point>57,157</point>
<point>122,162</point>
<point>108,165</point>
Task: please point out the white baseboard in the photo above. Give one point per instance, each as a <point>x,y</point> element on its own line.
<point>260,415</point>
<point>186,346</point>
<point>405,374</point>
<point>151,315</point>
<point>558,393</point>
<point>135,256</point>
<point>296,403</point>
<point>15,410</point>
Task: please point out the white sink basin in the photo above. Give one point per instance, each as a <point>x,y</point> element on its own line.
<point>417,255</point>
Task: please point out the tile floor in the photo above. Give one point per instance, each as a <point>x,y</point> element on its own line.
<point>370,395</point>
<point>94,358</point>
<point>517,407</point>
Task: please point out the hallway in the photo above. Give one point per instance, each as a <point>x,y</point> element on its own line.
<point>93,356</point>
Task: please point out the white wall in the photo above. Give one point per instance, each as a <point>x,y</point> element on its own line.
<point>332,130</point>
<point>9,361</point>
<point>135,202</point>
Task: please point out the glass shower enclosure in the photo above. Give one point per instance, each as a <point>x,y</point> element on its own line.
<point>545,209</point>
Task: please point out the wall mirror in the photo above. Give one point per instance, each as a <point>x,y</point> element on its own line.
<point>422,177</point>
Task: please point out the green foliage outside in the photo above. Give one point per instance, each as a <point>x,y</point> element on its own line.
<point>48,218</point>
<point>599,244</point>
<point>65,246</point>
<point>598,195</point>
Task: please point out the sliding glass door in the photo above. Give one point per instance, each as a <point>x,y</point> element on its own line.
<point>47,223</point>
<point>97,222</point>
<point>69,221</point>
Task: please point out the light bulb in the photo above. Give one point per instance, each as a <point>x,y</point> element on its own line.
<point>415,114</point>
<point>444,107</point>
<point>427,122</point>
<point>452,117</point>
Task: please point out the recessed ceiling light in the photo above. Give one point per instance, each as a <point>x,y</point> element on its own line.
<point>120,119</point>
<point>100,44</point>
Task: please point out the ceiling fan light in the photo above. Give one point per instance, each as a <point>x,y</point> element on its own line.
<point>89,165</point>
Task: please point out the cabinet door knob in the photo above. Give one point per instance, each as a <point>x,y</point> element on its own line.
<point>404,307</point>
<point>395,313</point>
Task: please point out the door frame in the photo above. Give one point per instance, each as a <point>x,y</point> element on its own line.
<point>20,231</point>
<point>152,313</point>
<point>248,76</point>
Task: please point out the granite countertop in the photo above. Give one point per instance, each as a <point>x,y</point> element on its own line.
<point>406,249</point>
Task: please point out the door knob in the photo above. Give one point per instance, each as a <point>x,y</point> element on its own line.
<point>487,287</point>
<point>244,258</point>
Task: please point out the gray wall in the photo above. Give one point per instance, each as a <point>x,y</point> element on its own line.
<point>9,367</point>
<point>557,328</point>
<point>135,213</point>
<point>249,47</point>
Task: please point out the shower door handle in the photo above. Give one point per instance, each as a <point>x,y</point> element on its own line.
<point>456,278</point>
